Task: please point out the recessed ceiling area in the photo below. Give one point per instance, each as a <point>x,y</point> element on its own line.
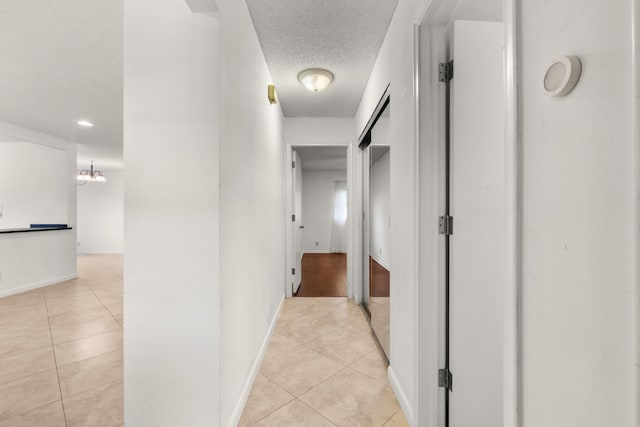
<point>61,63</point>
<point>323,158</point>
<point>341,36</point>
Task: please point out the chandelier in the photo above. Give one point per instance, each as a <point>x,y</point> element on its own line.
<point>90,175</point>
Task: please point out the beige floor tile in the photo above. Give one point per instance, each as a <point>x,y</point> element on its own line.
<point>70,289</point>
<point>305,328</point>
<point>62,305</point>
<point>295,414</point>
<point>280,344</point>
<point>90,373</point>
<point>28,393</point>
<point>373,365</point>
<point>86,348</point>
<point>265,398</point>
<point>99,407</point>
<point>298,370</point>
<point>353,399</point>
<point>398,420</point>
<point>50,415</point>
<point>120,318</point>
<point>25,364</point>
<point>64,332</point>
<point>17,341</point>
<point>343,345</point>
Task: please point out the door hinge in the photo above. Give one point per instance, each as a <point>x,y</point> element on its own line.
<point>445,225</point>
<point>445,379</point>
<point>293,164</point>
<point>446,71</point>
<point>293,271</point>
<point>293,218</point>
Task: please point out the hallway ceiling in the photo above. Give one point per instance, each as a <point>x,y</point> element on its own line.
<point>341,36</point>
<point>62,62</point>
<point>323,158</point>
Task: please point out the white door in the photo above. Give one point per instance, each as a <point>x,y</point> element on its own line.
<point>477,251</point>
<point>297,223</point>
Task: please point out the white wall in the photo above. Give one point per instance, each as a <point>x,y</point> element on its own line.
<point>394,66</point>
<point>101,215</point>
<point>33,185</point>
<point>319,130</point>
<point>37,185</point>
<point>318,196</point>
<point>171,247</point>
<point>380,211</point>
<point>252,207</point>
<point>579,166</point>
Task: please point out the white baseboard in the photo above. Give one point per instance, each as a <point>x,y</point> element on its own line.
<point>400,395</point>
<point>31,286</point>
<point>253,372</point>
<point>380,262</point>
<point>317,251</point>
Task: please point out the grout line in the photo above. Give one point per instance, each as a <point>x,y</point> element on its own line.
<point>276,409</point>
<point>55,360</point>
<point>316,411</point>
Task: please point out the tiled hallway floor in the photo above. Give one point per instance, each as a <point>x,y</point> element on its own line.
<point>322,368</point>
<point>61,350</point>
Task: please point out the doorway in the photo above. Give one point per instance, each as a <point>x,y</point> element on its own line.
<point>319,223</point>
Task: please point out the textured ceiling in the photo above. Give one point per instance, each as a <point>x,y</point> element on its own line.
<point>61,61</point>
<point>323,158</point>
<point>343,36</point>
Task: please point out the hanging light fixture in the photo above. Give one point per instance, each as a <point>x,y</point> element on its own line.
<point>315,79</point>
<point>90,175</point>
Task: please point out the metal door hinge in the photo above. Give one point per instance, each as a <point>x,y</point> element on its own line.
<point>445,379</point>
<point>293,218</point>
<point>445,225</point>
<point>446,71</point>
<point>293,271</point>
<point>293,164</point>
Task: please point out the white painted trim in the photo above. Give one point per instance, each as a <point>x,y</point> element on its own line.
<point>386,267</point>
<point>31,286</point>
<point>255,368</point>
<point>317,251</point>
<point>635,43</point>
<point>511,326</point>
<point>400,395</point>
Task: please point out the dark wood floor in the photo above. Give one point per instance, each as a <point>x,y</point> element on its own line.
<point>323,275</point>
<point>378,279</point>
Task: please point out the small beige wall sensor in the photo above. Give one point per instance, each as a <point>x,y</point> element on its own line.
<point>562,76</point>
<point>271,94</point>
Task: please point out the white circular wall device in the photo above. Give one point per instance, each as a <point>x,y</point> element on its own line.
<point>562,75</point>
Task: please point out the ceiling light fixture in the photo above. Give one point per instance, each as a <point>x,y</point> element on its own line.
<point>315,79</point>
<point>90,175</point>
<point>85,123</point>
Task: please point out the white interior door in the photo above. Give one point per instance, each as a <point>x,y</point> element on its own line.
<point>297,223</point>
<point>477,263</point>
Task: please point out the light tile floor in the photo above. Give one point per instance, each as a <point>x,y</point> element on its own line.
<point>61,350</point>
<point>61,360</point>
<point>323,367</point>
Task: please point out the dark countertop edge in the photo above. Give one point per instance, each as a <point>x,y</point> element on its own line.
<point>29,230</point>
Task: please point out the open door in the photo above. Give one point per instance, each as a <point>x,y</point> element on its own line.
<point>296,220</point>
<point>476,229</point>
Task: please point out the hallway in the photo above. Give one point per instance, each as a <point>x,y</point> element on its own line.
<point>61,358</point>
<point>323,367</point>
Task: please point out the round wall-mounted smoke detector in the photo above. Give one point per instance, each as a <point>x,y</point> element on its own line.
<point>562,75</point>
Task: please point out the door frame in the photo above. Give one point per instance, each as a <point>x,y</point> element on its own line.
<point>289,242</point>
<point>429,100</point>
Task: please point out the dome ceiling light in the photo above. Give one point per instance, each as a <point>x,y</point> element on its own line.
<point>315,79</point>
